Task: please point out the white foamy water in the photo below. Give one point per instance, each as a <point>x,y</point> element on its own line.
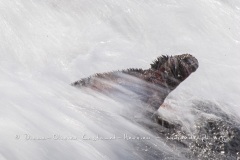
<point>46,45</point>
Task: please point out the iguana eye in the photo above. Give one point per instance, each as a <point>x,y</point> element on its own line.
<point>187,61</point>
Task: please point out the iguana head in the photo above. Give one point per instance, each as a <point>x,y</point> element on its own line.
<point>175,69</point>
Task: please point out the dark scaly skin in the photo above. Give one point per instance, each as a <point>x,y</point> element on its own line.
<point>151,86</point>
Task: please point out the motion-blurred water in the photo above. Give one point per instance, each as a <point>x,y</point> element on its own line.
<point>46,45</point>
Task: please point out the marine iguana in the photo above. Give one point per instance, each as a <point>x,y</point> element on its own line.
<point>150,86</point>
